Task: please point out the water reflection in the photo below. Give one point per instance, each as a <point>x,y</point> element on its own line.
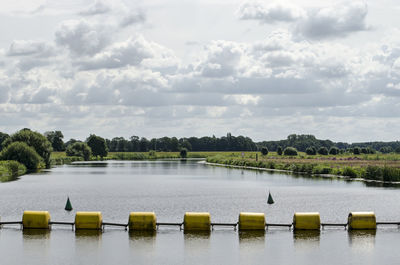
<point>189,235</point>
<point>306,239</point>
<point>35,234</point>
<point>88,245</point>
<point>92,234</point>
<point>6,178</point>
<point>362,239</point>
<point>251,236</point>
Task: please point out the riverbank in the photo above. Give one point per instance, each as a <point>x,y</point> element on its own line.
<point>377,167</point>
<point>350,167</point>
<point>11,170</point>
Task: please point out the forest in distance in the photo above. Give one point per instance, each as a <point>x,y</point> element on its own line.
<point>212,143</point>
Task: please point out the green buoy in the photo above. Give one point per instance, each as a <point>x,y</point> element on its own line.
<point>68,206</point>
<point>270,200</point>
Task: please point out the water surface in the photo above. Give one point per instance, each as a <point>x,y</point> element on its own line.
<point>170,188</point>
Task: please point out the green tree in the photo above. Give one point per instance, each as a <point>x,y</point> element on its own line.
<point>3,137</point>
<point>323,151</point>
<point>23,153</point>
<point>35,140</point>
<point>397,150</point>
<point>311,150</point>
<point>79,149</point>
<point>56,140</point>
<point>290,151</point>
<point>183,153</point>
<point>98,145</point>
<point>334,150</point>
<point>356,150</point>
<point>279,150</point>
<point>264,151</point>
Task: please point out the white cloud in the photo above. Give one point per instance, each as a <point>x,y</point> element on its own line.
<point>273,12</point>
<point>29,48</point>
<point>333,21</point>
<point>82,38</point>
<point>98,7</point>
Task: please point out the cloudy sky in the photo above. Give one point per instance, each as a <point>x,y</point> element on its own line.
<point>158,68</point>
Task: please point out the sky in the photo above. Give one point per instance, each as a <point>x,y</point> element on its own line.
<point>155,68</point>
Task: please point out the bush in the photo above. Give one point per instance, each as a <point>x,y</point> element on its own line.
<point>22,153</point>
<point>349,172</point>
<point>356,150</point>
<point>264,151</point>
<point>290,151</point>
<point>311,151</point>
<point>334,150</point>
<point>37,141</point>
<point>183,153</point>
<point>79,149</point>
<point>279,150</point>
<point>323,151</point>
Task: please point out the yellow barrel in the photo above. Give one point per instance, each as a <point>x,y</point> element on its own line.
<point>36,219</point>
<point>251,221</point>
<point>197,221</point>
<point>142,221</point>
<point>361,220</point>
<point>88,220</point>
<point>306,221</point>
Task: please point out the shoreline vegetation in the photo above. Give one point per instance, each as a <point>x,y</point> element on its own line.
<point>369,167</point>
<point>28,151</point>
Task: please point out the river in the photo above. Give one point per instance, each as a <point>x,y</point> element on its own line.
<point>171,188</point>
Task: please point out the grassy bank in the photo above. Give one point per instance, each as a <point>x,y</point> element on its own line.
<point>370,167</point>
<point>11,170</point>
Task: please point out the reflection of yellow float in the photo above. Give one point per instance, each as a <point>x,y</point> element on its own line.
<point>36,219</point>
<point>306,221</point>
<point>142,221</point>
<point>197,221</point>
<point>251,221</point>
<point>361,220</point>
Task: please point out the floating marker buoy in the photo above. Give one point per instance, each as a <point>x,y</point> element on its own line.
<point>68,206</point>
<point>270,200</point>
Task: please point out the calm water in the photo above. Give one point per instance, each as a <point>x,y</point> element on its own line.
<point>170,188</point>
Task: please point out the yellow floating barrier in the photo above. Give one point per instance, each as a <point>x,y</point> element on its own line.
<point>142,221</point>
<point>361,220</point>
<point>251,221</point>
<point>307,221</point>
<point>88,220</point>
<point>197,221</point>
<point>36,219</point>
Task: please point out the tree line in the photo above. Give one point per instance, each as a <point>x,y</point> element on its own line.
<point>33,149</point>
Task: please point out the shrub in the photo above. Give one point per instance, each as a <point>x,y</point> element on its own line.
<point>349,172</point>
<point>356,150</point>
<point>279,150</point>
<point>183,153</point>
<point>290,151</point>
<point>264,151</point>
<point>22,153</point>
<point>37,141</point>
<point>79,149</point>
<point>334,150</point>
<point>311,151</point>
<point>323,151</point>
